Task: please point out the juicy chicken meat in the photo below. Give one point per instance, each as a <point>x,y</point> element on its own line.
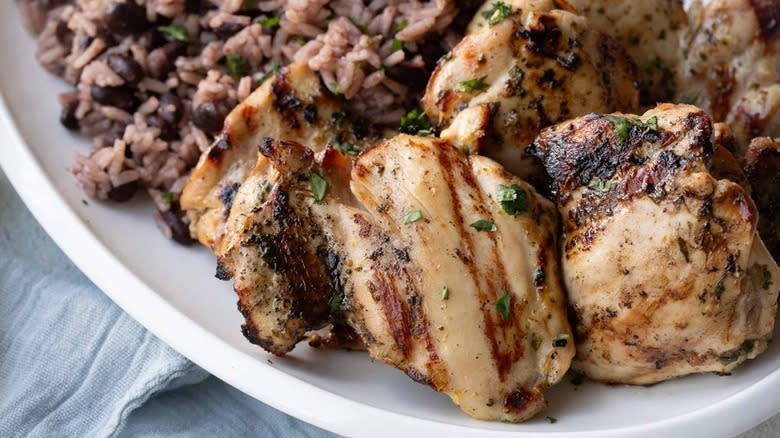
<point>292,106</point>
<point>535,65</point>
<point>414,248</point>
<point>651,32</point>
<point>665,272</point>
<point>762,165</point>
<point>731,64</point>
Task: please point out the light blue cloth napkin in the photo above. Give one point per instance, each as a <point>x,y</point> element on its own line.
<point>72,364</point>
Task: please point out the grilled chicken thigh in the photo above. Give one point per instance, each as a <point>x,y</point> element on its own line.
<point>731,66</point>
<point>535,65</point>
<point>651,32</point>
<point>445,265</point>
<point>665,272</point>
<point>762,165</point>
<point>293,106</point>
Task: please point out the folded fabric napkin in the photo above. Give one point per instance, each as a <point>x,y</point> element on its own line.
<point>72,364</point>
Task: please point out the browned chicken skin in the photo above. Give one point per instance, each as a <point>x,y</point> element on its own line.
<point>762,165</point>
<point>665,273</point>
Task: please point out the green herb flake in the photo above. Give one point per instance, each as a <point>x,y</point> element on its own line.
<point>484,225</point>
<point>651,124</point>
<point>336,302</point>
<point>551,420</point>
<point>270,22</point>
<point>345,147</point>
<point>359,25</point>
<point>415,122</point>
<point>473,85</point>
<point>445,293</point>
<point>601,186</point>
<point>561,340</point>
<point>402,25</point>
<point>272,71</point>
<point>497,13</point>
<point>249,4</point>
<point>512,199</point>
<point>175,31</point>
<point>766,282</point>
<point>412,216</point>
<point>536,342</point>
<point>235,65</point>
<point>622,126</point>
<point>338,117</point>
<point>446,57</point>
<point>167,197</point>
<point>319,187</point>
<point>504,306</point>
<point>397,45</point>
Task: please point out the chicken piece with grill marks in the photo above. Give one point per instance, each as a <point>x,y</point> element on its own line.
<point>535,65</point>
<point>762,166</point>
<point>445,265</point>
<point>651,32</point>
<point>294,106</point>
<point>665,272</point>
<point>732,54</point>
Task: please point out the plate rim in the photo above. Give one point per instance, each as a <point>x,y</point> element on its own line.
<point>281,390</point>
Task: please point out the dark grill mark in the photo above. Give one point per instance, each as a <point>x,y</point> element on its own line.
<point>227,196</point>
<point>221,145</point>
<point>521,399</point>
<point>285,101</point>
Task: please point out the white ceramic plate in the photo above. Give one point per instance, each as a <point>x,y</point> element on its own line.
<point>172,291</point>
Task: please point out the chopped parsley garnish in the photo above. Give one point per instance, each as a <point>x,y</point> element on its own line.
<point>397,45</point>
<point>412,216</point>
<point>504,306</point>
<point>623,125</point>
<point>175,31</point>
<point>691,98</point>
<point>483,225</point>
<point>402,25</point>
<point>249,4</point>
<point>535,341</point>
<point>444,58</point>
<point>497,13</point>
<point>512,199</point>
<point>551,420</point>
<point>359,25</point>
<point>235,65</point>
<point>345,147</point>
<point>415,122</point>
<point>319,187</point>
<point>561,340</point>
<point>473,85</point>
<point>270,22</point>
<point>445,293</point>
<point>274,69</point>
<point>336,302</point>
<point>766,279</point>
<point>601,186</point>
<point>168,198</point>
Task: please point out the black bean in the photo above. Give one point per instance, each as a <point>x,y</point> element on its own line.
<point>151,39</point>
<point>126,67</point>
<point>228,29</point>
<point>126,18</point>
<point>68,115</point>
<point>64,34</point>
<point>120,97</point>
<point>173,224</point>
<point>161,61</point>
<point>168,132</point>
<point>171,109</point>
<point>207,117</point>
<point>124,192</point>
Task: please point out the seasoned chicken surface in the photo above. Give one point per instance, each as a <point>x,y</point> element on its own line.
<point>651,32</point>
<point>293,106</point>
<point>535,65</point>
<point>665,272</point>
<point>731,66</point>
<point>445,265</point>
<point>762,165</point>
